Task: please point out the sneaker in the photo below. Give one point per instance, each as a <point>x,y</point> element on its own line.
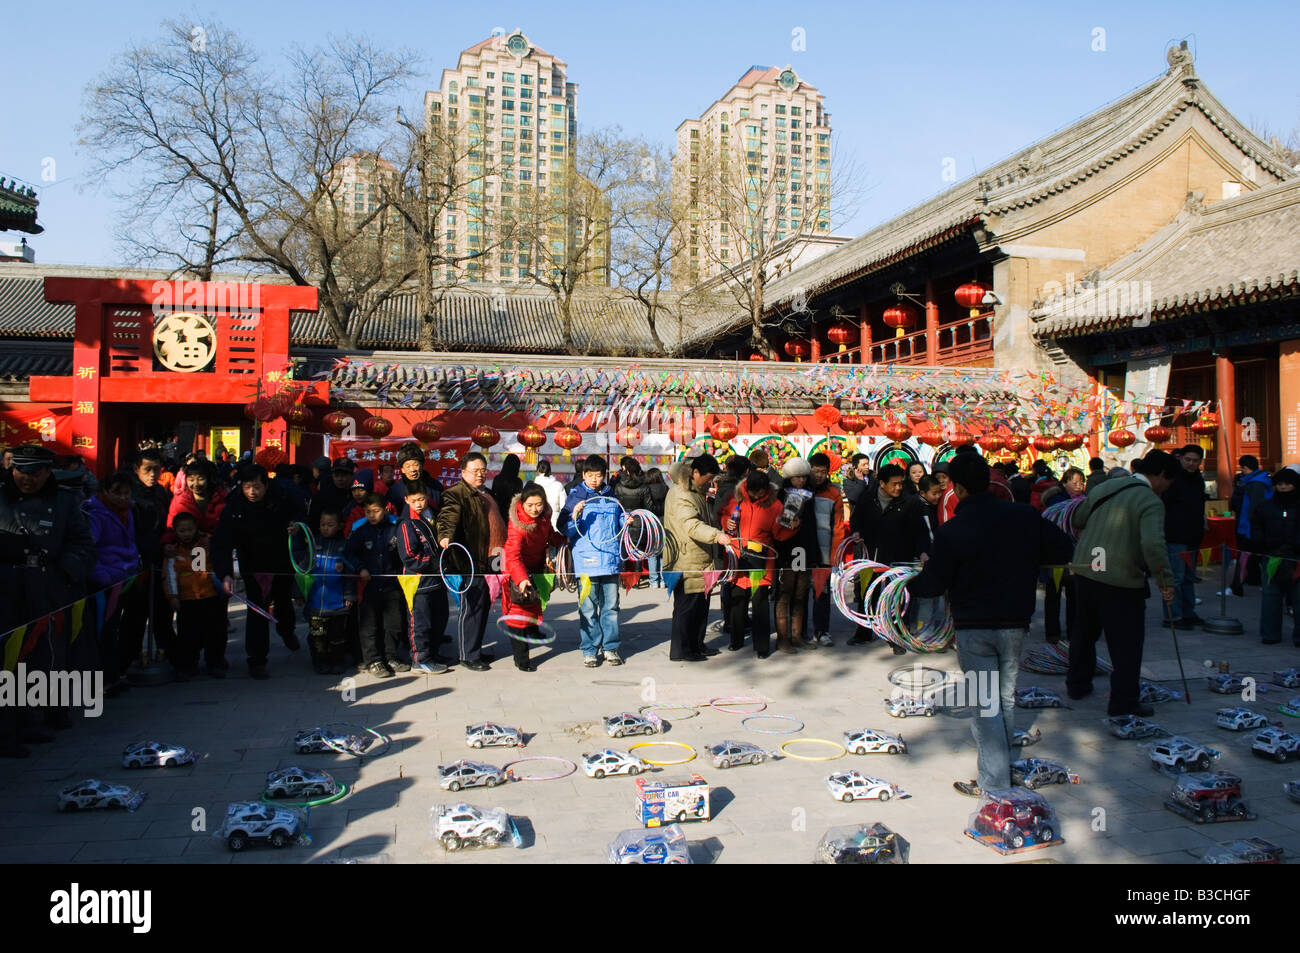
<point>380,670</point>
<point>824,638</point>
<point>613,658</point>
<point>590,661</point>
<point>430,668</point>
<point>398,666</point>
<point>969,788</point>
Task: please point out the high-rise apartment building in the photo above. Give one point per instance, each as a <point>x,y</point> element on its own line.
<point>505,119</point>
<point>753,171</point>
<point>360,185</point>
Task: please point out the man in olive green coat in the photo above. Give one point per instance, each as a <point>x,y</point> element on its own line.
<point>688,550</point>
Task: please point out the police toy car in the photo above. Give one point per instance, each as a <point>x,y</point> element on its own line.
<point>333,738</point>
<point>1225,683</point>
<point>1035,772</point>
<point>598,764</point>
<point>853,786</point>
<point>299,783</point>
<point>903,705</point>
<point>871,741</point>
<point>468,774</point>
<point>91,793</point>
<point>1276,744</point>
<point>1023,739</point>
<point>1287,677</point>
<point>626,723</point>
<point>727,753</point>
<point>1149,693</point>
<point>1292,789</point>
<point>155,754</point>
<point>665,845</point>
<point>487,735</point>
<point>1238,719</point>
<point>865,844</point>
<point>462,825</point>
<point>248,821</point>
<point>1252,850</point>
<point>1034,697</point>
<point>1291,707</point>
<point>1182,754</point>
<point>1131,726</point>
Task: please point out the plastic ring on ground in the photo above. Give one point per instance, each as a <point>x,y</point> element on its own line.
<point>311,550</point>
<point>675,744</point>
<point>544,777</point>
<point>384,741</point>
<point>813,741</point>
<point>512,631</point>
<point>772,731</point>
<point>693,709</point>
<point>737,699</point>
<point>336,796</point>
<point>469,575</point>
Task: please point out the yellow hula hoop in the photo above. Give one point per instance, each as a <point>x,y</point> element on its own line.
<point>675,744</point>
<point>813,741</point>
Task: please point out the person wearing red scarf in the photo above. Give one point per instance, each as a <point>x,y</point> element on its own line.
<point>529,535</point>
<point>752,515</point>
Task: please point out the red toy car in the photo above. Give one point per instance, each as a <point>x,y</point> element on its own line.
<point>1209,794</point>
<point>1017,820</point>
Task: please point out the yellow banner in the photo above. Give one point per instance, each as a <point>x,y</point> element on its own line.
<point>1205,557</point>
<point>584,587</point>
<point>78,609</point>
<point>409,584</point>
<point>1056,577</point>
<point>12,648</point>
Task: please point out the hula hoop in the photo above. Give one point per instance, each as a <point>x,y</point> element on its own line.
<point>729,557</point>
<point>772,731</point>
<point>770,553</point>
<point>311,550</point>
<point>693,709</point>
<point>660,764</point>
<point>739,699</point>
<point>843,548</point>
<point>565,577</point>
<point>336,796</point>
<point>600,544</point>
<point>542,777</point>
<point>469,575</point>
<point>813,741</point>
<point>542,627</point>
<point>651,533</point>
<point>1062,515</point>
<point>384,740</point>
<point>886,603</point>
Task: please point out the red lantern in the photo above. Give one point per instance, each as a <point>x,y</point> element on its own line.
<point>784,425</point>
<point>298,416</point>
<point>1017,442</point>
<point>843,334</point>
<point>901,317</point>
<point>1206,426</point>
<point>1070,441</point>
<point>334,422</point>
<point>898,432</point>
<point>827,415</point>
<point>992,443</point>
<point>970,295</point>
<point>377,427</point>
<point>1122,438</point>
<point>797,349</point>
<point>961,438</point>
<point>270,457</point>
<point>932,436</point>
<point>259,409</point>
<point>566,438</point>
<point>629,437</point>
<point>425,431</point>
<point>724,431</point>
<point>485,436</point>
<point>281,404</point>
<point>757,357</point>
<point>531,438</point>
<point>1157,434</point>
<point>853,424</point>
<point>1045,443</point>
<point>682,431</point>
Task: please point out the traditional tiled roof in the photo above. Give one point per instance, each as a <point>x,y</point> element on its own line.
<point>18,208</point>
<point>1242,249</point>
<point>18,365</point>
<point>24,312</point>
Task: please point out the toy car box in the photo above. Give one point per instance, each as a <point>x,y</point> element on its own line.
<point>670,800</point>
<point>1012,820</point>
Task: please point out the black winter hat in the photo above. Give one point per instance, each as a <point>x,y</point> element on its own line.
<point>410,451</point>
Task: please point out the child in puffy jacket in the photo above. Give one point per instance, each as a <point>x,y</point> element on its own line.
<point>331,597</point>
<point>200,607</point>
<point>372,549</point>
<point>592,520</point>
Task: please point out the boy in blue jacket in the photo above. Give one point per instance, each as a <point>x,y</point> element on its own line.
<point>331,597</point>
<point>372,548</point>
<point>593,520</point>
<point>418,551</point>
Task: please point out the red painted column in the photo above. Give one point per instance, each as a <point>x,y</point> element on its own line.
<point>816,344</point>
<point>931,325</point>
<point>864,340</point>
<point>87,369</point>
<point>1094,420</point>
<point>275,355</point>
<point>1288,398</point>
<point>1229,428</point>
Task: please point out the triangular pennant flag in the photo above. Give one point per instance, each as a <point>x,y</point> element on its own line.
<point>544,583</point>
<point>864,581</point>
<point>454,587</point>
<point>304,580</point>
<point>584,588</point>
<point>1271,567</point>
<point>819,579</point>
<point>756,578</point>
<point>101,608</point>
<point>1187,557</point>
<point>629,580</point>
<point>671,579</point>
<point>111,606</point>
<point>1205,558</point>
<point>494,587</point>
<point>711,576</point>
<point>408,585</point>
<point>78,614</point>
<point>1057,575</point>
<point>1243,563</point>
<point>34,634</point>
<point>12,645</point>
<point>126,586</point>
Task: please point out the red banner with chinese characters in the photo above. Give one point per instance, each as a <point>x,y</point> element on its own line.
<point>441,457</point>
<point>48,425</point>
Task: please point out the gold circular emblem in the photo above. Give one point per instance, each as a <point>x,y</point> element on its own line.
<point>185,342</point>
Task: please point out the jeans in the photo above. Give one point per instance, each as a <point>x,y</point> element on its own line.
<point>1273,597</point>
<point>655,566</point>
<point>598,616</point>
<point>1184,604</point>
<point>994,656</point>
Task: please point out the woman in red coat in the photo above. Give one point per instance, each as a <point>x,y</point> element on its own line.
<point>751,516</point>
<point>202,496</point>
<point>528,536</point>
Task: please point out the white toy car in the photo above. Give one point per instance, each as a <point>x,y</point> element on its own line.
<point>853,786</point>
<point>599,764</point>
<point>666,845</point>
<point>904,705</point>
<point>1287,677</point>
<point>727,753</point>
<point>1131,726</point>
<point>468,774</point>
<point>1291,707</point>
<point>487,735</point>
<point>247,821</point>
<point>300,783</point>
<point>349,738</point>
<point>1292,789</point>
<point>1035,772</point>
<point>1149,693</point>
<point>463,825</point>
<point>871,741</point>
<point>1023,739</point>
<point>91,793</point>
<point>1238,719</point>
<point>1225,684</point>
<point>1182,754</point>
<point>155,754</point>
<point>1035,697</point>
<point>1276,744</point>
<point>626,723</point>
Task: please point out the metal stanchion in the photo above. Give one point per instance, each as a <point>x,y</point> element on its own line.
<point>150,670</point>
<point>1222,625</point>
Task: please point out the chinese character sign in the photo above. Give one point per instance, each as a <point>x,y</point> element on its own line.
<point>184,342</point>
<point>35,423</point>
<point>441,457</point>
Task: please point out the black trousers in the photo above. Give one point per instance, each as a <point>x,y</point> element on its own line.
<point>726,591</point>
<point>327,638</point>
<point>257,630</point>
<point>690,616</point>
<point>428,619</point>
<point>201,627</point>
<point>821,612</point>
<point>474,605</point>
<point>761,627</point>
<point>1052,598</point>
<point>139,604</point>
<point>1236,583</point>
<point>1119,613</point>
<point>380,624</point>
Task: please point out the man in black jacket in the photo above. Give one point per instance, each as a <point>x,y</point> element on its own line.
<point>150,502</point>
<point>880,521</point>
<point>256,523</point>
<point>987,559</point>
<point>1277,534</point>
<point>1184,528</point>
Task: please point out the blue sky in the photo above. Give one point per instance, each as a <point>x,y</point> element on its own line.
<point>907,85</point>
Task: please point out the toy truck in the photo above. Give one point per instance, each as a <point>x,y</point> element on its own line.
<point>669,801</point>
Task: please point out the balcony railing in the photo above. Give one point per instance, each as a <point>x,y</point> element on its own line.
<point>909,349</point>
<point>966,341</point>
